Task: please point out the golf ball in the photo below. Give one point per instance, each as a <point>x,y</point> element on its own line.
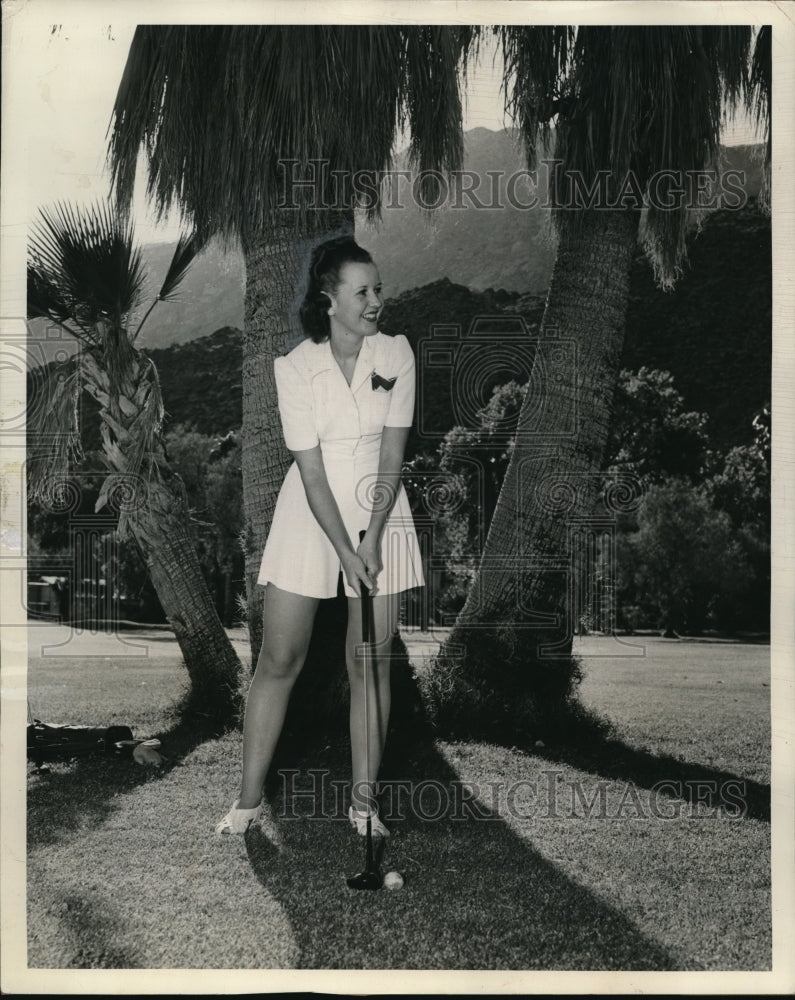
<point>393,880</point>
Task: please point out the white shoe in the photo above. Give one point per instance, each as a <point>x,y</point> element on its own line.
<point>238,820</point>
<point>359,823</point>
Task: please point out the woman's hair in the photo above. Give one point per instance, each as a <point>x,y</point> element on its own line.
<point>327,262</point>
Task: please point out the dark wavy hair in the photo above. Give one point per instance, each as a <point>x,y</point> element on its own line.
<point>325,266</point>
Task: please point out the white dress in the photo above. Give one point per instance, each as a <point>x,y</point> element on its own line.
<point>317,405</point>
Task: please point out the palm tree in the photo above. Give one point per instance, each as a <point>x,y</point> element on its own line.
<point>630,102</point>
<point>85,274</point>
<point>229,118</point>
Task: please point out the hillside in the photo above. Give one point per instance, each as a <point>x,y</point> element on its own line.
<point>202,381</point>
<point>713,332</point>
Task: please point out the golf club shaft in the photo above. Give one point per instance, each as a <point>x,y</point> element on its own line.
<point>366,633</point>
<point>370,878</point>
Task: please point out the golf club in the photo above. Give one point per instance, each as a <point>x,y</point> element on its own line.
<point>370,878</point>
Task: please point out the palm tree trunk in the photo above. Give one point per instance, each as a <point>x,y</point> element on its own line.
<point>507,662</point>
<point>160,528</point>
<point>229,602</point>
<point>151,503</point>
<point>275,267</point>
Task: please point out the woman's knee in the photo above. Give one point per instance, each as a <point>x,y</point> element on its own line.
<point>284,665</point>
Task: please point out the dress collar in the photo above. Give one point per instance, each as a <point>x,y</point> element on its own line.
<point>364,362</point>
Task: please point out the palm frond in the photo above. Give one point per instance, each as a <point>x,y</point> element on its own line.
<point>187,248</point>
<point>758,97</point>
<point>85,265</point>
<point>45,300</point>
<point>219,109</point>
<point>431,101</point>
<point>759,84</point>
<point>536,65</point>
<point>54,429</point>
<point>628,102</point>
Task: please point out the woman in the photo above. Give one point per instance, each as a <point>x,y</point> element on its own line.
<point>346,400</point>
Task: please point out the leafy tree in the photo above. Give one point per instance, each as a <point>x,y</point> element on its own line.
<point>741,489</point>
<point>85,275</point>
<point>683,560</point>
<point>652,436</point>
<point>742,486</point>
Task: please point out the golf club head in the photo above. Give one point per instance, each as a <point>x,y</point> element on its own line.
<point>365,880</point>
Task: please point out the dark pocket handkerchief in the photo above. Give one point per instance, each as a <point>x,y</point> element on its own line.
<point>382,383</point>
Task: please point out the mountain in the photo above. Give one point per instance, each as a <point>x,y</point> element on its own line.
<point>713,333</point>
<point>202,381</point>
<point>210,296</point>
<point>467,241</point>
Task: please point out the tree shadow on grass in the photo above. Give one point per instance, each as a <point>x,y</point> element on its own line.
<point>576,736</point>
<point>697,784</point>
<point>94,930</point>
<point>477,896</point>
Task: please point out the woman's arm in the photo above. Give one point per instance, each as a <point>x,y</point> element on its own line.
<point>387,486</point>
<point>390,463</point>
<point>327,514</point>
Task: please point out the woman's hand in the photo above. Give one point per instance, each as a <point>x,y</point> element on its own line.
<point>369,552</point>
<point>355,570</point>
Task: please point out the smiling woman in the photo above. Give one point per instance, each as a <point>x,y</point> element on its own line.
<point>346,401</point>
<point>355,304</point>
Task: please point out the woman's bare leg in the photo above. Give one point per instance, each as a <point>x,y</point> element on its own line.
<point>287,629</point>
<point>385,618</point>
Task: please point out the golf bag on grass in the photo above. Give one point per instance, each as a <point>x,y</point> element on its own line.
<point>47,743</point>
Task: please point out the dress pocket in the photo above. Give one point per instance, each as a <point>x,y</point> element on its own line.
<point>376,410</point>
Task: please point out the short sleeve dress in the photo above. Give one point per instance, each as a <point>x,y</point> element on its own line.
<point>317,406</point>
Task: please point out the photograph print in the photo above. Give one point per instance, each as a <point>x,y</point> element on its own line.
<point>387,537</point>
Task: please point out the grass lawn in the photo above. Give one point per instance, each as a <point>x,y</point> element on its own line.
<point>560,862</point>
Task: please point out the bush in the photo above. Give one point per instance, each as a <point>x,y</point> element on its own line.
<point>684,567</point>
<point>652,435</point>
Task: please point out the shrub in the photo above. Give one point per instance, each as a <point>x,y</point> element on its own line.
<point>682,562</point>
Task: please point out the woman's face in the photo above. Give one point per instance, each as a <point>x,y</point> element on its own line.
<point>357,302</point>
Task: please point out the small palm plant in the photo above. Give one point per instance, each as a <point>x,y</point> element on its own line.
<point>86,275</point>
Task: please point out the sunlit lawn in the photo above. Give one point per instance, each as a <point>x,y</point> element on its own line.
<point>573,870</point>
